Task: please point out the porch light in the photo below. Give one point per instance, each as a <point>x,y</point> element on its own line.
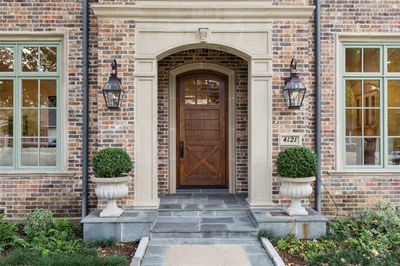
<point>294,90</point>
<point>112,90</point>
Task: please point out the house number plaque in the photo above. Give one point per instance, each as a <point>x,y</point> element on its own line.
<point>290,139</point>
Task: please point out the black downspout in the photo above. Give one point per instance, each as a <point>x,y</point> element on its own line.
<point>318,103</point>
<point>85,72</point>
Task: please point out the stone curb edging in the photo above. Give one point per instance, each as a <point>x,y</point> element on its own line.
<point>272,253</point>
<point>140,251</point>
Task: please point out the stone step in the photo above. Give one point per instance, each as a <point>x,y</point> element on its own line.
<point>202,213</point>
<point>203,235</point>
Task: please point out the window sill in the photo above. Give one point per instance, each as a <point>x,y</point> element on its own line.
<point>376,172</point>
<point>26,173</point>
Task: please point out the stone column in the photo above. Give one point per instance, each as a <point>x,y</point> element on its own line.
<point>146,194</point>
<point>260,134</point>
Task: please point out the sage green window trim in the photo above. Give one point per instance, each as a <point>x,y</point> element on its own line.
<point>52,109</point>
<point>383,76</point>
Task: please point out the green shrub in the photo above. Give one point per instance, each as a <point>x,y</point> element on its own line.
<point>373,233</point>
<point>307,249</point>
<point>9,237</point>
<point>111,162</point>
<point>297,162</point>
<point>264,233</point>
<point>33,258</point>
<point>60,238</point>
<point>38,222</point>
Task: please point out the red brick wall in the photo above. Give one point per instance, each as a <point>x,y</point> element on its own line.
<point>19,195</point>
<point>240,68</point>
<point>351,193</point>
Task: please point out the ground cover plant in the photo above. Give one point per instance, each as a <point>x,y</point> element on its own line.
<point>371,237</point>
<point>49,241</point>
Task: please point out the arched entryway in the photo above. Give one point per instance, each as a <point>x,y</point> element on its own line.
<point>235,69</point>
<point>165,42</point>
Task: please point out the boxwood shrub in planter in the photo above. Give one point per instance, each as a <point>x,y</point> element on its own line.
<point>296,167</point>
<point>111,166</point>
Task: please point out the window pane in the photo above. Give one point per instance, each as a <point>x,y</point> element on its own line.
<point>213,98</point>
<point>371,151</point>
<point>30,59</point>
<point>30,152</point>
<point>214,85</point>
<point>372,59</point>
<point>394,122</point>
<point>6,123</point>
<point>6,59</point>
<point>353,93</point>
<point>393,62</point>
<point>48,59</point>
<point>353,59</point>
<point>189,85</point>
<point>372,122</point>
<point>6,93</point>
<point>48,93</point>
<point>48,122</point>
<point>47,153</point>
<point>353,122</point>
<point>372,92</point>
<point>201,98</point>
<point>29,122</point>
<point>393,151</point>
<point>29,93</point>
<point>6,151</point>
<point>353,151</point>
<point>394,93</point>
<point>190,98</point>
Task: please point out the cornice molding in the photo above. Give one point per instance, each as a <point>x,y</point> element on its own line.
<point>203,13</point>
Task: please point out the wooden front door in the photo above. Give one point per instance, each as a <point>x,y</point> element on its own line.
<point>201,123</point>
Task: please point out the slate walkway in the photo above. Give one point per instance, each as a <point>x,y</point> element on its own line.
<point>204,218</point>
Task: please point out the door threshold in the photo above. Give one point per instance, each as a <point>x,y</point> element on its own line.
<point>202,190</point>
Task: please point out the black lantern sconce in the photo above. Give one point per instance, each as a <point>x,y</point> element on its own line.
<point>294,90</point>
<point>112,90</point>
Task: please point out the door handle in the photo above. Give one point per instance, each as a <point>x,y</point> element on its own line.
<point>181,149</point>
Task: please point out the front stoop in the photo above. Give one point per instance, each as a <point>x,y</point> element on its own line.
<point>279,224</point>
<point>130,226</point>
<point>199,216</point>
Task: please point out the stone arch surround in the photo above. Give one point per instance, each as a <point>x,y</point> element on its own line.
<point>239,157</point>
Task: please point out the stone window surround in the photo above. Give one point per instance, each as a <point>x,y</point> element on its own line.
<point>361,38</point>
<point>62,38</point>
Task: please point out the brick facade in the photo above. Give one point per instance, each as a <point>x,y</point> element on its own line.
<point>115,39</point>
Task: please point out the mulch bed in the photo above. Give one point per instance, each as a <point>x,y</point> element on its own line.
<point>291,259</point>
<point>123,249</point>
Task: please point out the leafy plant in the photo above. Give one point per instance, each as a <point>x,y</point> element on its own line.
<point>33,258</point>
<point>9,237</point>
<point>60,238</point>
<point>264,233</point>
<point>111,162</point>
<point>307,249</point>
<point>38,222</point>
<point>297,162</point>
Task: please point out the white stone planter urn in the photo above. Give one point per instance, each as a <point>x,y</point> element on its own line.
<point>296,189</point>
<point>111,189</point>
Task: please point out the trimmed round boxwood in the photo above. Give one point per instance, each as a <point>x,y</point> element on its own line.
<point>297,162</point>
<point>111,162</point>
